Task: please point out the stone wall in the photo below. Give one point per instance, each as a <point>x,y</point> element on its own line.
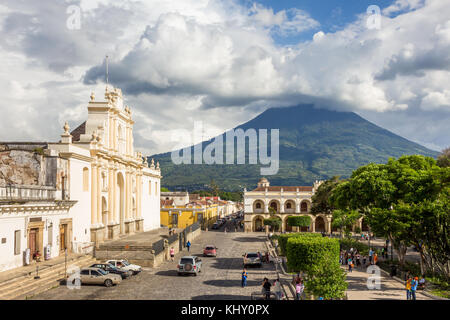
<point>29,164</point>
<point>142,255</point>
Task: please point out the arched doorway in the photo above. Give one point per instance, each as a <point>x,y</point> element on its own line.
<point>289,206</point>
<point>364,225</point>
<point>258,224</point>
<point>304,206</point>
<point>258,206</point>
<point>287,227</point>
<point>319,224</point>
<point>121,201</point>
<point>274,205</point>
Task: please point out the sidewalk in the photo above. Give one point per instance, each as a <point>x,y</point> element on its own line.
<point>29,270</point>
<point>390,289</point>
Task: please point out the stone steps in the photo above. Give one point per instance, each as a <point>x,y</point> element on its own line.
<point>23,287</point>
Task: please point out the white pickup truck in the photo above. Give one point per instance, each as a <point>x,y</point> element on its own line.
<point>124,265</point>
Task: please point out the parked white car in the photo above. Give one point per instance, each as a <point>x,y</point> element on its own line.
<point>124,265</point>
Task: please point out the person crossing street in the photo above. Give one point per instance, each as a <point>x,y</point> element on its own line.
<point>188,245</point>
<point>244,276</point>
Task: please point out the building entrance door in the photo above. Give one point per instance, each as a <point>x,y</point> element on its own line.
<point>62,237</point>
<point>32,241</point>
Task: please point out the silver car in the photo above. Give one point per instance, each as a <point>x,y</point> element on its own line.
<point>189,265</point>
<point>99,276</point>
<point>252,258</point>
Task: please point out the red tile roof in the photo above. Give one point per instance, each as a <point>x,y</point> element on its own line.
<point>166,203</point>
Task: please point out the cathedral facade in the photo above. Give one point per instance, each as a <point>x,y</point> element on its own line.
<point>89,187</point>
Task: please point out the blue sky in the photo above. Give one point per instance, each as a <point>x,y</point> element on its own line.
<point>181,61</point>
<point>332,15</point>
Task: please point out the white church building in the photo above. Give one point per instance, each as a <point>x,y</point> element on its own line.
<point>89,187</point>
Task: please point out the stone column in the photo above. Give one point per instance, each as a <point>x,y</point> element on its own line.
<point>329,226</point>
<point>313,225</point>
<point>110,132</point>
<point>99,196</point>
<point>297,207</point>
<point>110,195</point>
<point>266,207</point>
<point>93,194</point>
<point>139,188</point>
<point>282,207</point>
<point>283,225</point>
<point>115,134</point>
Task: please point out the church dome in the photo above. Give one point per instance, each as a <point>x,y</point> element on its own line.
<point>263,182</point>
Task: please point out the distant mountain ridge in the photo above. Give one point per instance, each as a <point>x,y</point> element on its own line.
<point>314,144</point>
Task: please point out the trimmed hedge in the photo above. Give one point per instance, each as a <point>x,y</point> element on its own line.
<point>306,253</point>
<point>299,221</point>
<point>283,238</point>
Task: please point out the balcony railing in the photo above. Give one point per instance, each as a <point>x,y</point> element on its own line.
<point>27,193</point>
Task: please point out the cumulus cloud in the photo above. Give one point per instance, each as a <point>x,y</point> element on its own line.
<point>217,61</point>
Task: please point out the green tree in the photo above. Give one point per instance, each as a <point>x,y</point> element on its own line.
<point>163,189</point>
<point>443,159</point>
<point>274,223</point>
<point>299,221</point>
<point>321,198</point>
<point>344,220</point>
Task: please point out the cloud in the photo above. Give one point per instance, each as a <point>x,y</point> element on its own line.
<point>217,61</point>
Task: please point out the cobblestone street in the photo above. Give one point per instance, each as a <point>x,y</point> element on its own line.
<point>219,279</point>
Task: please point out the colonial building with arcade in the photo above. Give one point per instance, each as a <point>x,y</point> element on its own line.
<point>87,188</point>
<point>285,201</point>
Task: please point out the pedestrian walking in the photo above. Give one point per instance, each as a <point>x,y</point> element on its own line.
<point>277,289</point>
<point>267,257</point>
<point>375,258</point>
<point>364,261</point>
<point>414,283</point>
<point>266,289</point>
<point>244,277</point>
<point>188,245</point>
<point>172,253</point>
<point>370,256</point>
<point>299,289</point>
<point>350,264</point>
<point>358,259</point>
<point>408,288</point>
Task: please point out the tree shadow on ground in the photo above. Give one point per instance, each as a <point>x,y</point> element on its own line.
<point>232,283</point>
<point>227,263</point>
<point>249,239</point>
<point>170,273</point>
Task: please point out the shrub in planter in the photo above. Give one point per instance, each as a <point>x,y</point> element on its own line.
<point>283,238</point>
<point>304,253</point>
<point>327,280</point>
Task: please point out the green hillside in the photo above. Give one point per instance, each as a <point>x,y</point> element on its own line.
<point>314,144</point>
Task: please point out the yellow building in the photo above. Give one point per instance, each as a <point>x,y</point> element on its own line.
<point>203,211</point>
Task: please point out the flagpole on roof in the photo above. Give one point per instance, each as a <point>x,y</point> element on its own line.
<point>106,71</point>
